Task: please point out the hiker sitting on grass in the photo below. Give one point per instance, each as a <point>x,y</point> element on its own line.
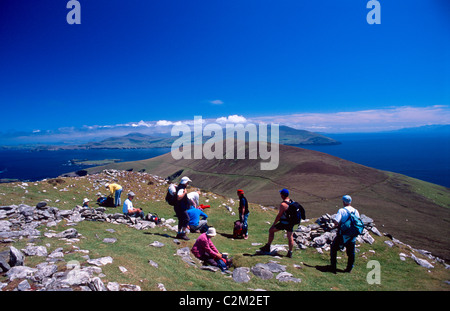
<point>195,223</point>
<point>281,223</point>
<point>86,203</point>
<point>205,250</point>
<point>128,208</point>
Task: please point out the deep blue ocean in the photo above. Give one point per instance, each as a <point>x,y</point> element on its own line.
<point>425,157</point>
<point>422,156</point>
<point>37,165</point>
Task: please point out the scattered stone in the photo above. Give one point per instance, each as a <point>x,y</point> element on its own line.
<point>240,275</point>
<point>109,240</point>
<point>100,261</point>
<point>287,277</point>
<point>152,263</point>
<point>161,287</point>
<point>262,271</point>
<point>16,257</point>
<point>156,244</point>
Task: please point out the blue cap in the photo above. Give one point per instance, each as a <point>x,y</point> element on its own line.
<point>347,199</point>
<point>284,192</point>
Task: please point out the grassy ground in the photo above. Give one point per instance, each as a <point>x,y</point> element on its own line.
<point>133,252</point>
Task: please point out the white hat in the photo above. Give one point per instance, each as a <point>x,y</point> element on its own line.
<point>106,185</point>
<point>85,200</point>
<point>131,194</point>
<point>211,232</point>
<point>185,180</point>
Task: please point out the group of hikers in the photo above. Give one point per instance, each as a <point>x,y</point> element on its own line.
<point>191,215</point>
<point>205,250</point>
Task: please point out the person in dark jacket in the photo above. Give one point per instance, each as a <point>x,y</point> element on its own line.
<point>243,212</point>
<point>181,207</point>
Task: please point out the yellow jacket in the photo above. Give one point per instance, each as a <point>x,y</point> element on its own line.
<point>114,187</point>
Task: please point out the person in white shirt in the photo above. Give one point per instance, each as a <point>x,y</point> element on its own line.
<point>128,208</point>
<point>342,241</point>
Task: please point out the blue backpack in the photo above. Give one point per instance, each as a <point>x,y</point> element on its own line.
<point>353,226</point>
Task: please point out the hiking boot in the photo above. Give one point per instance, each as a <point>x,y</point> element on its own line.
<point>184,237</point>
<point>265,248</point>
<point>289,254</point>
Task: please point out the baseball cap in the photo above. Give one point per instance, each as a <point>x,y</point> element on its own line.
<point>284,192</point>
<point>185,180</point>
<point>347,199</point>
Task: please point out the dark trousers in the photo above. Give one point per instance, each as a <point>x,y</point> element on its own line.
<point>337,244</point>
<point>183,217</point>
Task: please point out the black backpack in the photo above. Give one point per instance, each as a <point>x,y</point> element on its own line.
<point>295,213</point>
<point>171,195</point>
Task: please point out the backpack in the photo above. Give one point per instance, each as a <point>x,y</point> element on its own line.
<point>171,196</point>
<point>237,230</point>
<point>154,218</point>
<point>353,226</point>
<point>295,213</point>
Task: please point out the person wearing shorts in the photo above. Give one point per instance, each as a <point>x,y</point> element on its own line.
<point>281,223</point>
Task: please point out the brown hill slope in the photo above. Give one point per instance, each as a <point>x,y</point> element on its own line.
<point>413,211</point>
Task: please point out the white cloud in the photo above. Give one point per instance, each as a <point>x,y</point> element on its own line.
<point>373,120</point>
<point>216,102</point>
<point>232,119</point>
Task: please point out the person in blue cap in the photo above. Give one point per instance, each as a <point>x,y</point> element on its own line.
<point>281,223</point>
<point>341,241</point>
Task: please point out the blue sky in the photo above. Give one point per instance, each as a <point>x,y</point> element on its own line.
<point>306,63</point>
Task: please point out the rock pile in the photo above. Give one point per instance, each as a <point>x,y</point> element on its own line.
<point>20,221</point>
<point>321,234</point>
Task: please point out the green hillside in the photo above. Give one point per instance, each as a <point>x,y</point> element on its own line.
<point>133,252</point>
<point>414,211</point>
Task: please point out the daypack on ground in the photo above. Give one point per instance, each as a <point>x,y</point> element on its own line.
<point>238,229</point>
<point>171,196</point>
<point>353,226</point>
<point>295,213</point>
<point>106,201</point>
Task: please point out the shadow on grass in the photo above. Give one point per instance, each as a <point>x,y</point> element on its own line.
<point>324,269</point>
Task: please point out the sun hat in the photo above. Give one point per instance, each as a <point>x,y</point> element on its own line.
<point>211,232</point>
<point>106,185</point>
<point>284,192</point>
<point>185,180</point>
<point>85,200</point>
<point>347,199</point>
<point>131,194</point>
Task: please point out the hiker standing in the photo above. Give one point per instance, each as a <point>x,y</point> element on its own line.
<point>341,240</point>
<point>115,191</point>
<point>181,207</point>
<point>281,222</point>
<point>243,212</point>
<point>128,208</point>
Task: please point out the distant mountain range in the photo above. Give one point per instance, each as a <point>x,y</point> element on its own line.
<point>288,136</point>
